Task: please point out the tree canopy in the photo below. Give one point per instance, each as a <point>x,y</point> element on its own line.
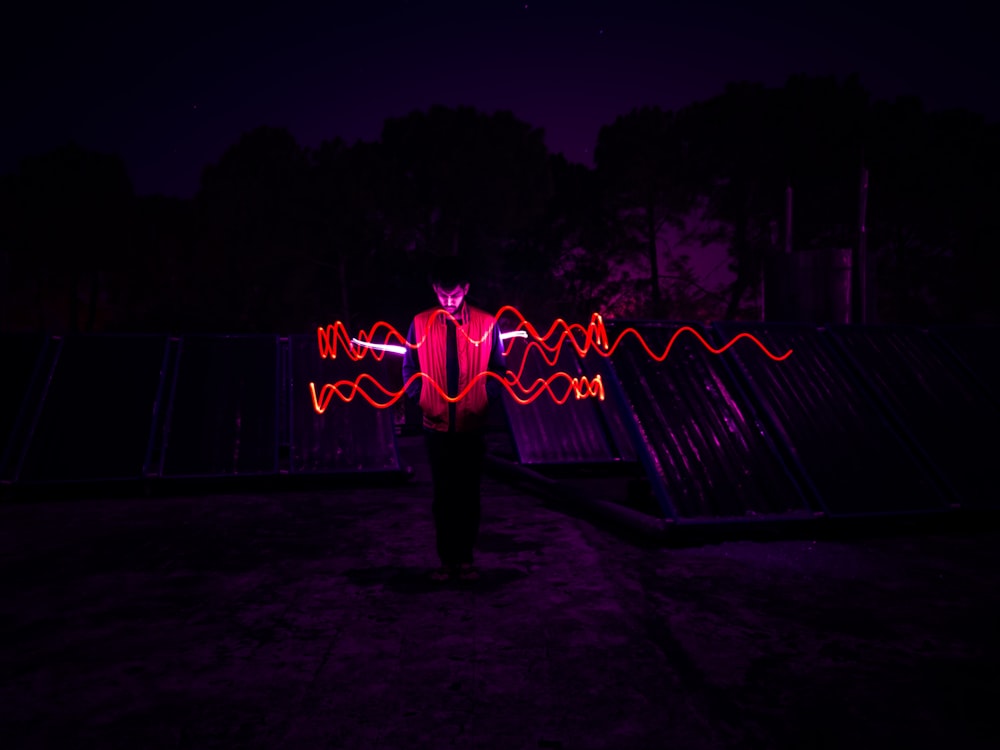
<point>674,220</point>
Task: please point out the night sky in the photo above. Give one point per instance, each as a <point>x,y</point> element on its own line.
<point>170,88</point>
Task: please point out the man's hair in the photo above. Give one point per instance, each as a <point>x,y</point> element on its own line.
<point>448,272</point>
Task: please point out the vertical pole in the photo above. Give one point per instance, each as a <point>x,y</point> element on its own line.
<point>763,277</point>
<point>788,219</point>
<point>862,275</point>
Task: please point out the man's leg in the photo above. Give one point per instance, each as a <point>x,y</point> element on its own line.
<point>470,508</point>
<point>445,462</point>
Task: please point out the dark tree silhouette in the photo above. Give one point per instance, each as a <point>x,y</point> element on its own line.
<point>70,234</point>
<point>254,233</point>
<point>931,175</point>
<point>471,182</point>
<point>733,145</point>
<point>643,168</point>
<point>161,293</point>
<point>281,238</point>
<point>933,188</point>
<point>359,210</point>
<point>565,257</point>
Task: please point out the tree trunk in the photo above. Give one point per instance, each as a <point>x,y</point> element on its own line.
<point>40,278</point>
<point>741,250</point>
<point>74,302</point>
<point>95,289</point>
<point>654,265</point>
<point>736,292</point>
<point>748,261</point>
<point>345,311</point>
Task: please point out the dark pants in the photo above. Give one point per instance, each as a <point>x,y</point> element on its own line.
<point>456,460</point>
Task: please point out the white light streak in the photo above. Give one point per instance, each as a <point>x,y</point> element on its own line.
<point>381,347</point>
<point>396,349</point>
<point>514,335</point>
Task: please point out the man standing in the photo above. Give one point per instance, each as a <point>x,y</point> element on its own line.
<point>456,344</point>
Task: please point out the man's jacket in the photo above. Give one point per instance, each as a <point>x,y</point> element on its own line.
<point>451,354</point>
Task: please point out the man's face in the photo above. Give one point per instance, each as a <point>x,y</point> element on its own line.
<point>451,299</point>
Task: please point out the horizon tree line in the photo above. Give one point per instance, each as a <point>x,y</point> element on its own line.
<point>284,238</point>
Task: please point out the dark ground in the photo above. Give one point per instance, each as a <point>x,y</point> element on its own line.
<point>306,620</point>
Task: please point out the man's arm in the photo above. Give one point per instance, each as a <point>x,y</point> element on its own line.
<point>497,364</point>
<point>411,366</point>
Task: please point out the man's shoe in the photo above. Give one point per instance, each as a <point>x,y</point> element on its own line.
<point>468,573</point>
<point>442,574</point>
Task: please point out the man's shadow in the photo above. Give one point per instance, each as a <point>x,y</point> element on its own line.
<point>417,580</point>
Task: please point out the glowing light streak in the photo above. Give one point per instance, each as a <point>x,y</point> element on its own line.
<point>396,349</point>
<point>594,338</point>
<point>381,347</point>
<point>347,390</point>
<point>336,335</point>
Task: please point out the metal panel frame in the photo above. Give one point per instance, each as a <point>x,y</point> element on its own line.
<point>23,409</point>
<point>651,463</point>
<point>607,430</point>
<point>290,385</point>
<point>896,419</point>
<point>275,459</point>
<point>939,333</point>
<point>291,471</point>
<point>284,416</point>
<point>169,415</point>
<point>169,362</point>
<point>831,349</point>
<point>647,457</point>
<point>800,476</point>
<point>607,436</point>
<point>168,421</point>
<point>40,406</point>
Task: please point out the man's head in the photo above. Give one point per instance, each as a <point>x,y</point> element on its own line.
<point>450,281</point>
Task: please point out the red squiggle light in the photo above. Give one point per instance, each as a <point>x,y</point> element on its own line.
<point>595,338</point>
<point>335,335</point>
<point>347,390</point>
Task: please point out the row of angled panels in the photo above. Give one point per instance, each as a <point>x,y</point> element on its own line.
<point>24,357</point>
<point>937,403</point>
<point>705,450</point>
<point>682,416</point>
<point>122,407</point>
<point>853,458</point>
<point>90,413</point>
<point>978,349</point>
<point>908,406</point>
<point>856,421</point>
<point>575,431</point>
<point>350,435</point>
<point>222,413</point>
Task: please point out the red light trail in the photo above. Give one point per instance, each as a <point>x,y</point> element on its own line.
<point>334,336</point>
<point>595,338</point>
<point>347,390</point>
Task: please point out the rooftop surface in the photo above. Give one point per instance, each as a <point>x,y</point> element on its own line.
<point>306,619</point>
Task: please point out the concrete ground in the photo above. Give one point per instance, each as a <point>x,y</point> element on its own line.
<point>306,620</point>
